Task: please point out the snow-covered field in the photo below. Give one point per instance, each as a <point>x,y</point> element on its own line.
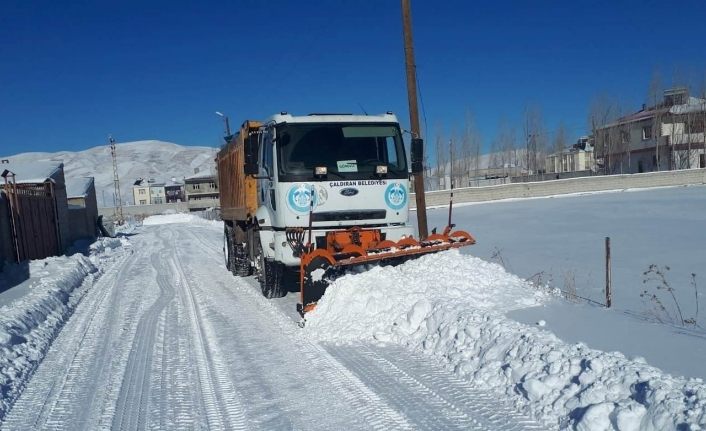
<point>562,240</point>
<point>164,337</point>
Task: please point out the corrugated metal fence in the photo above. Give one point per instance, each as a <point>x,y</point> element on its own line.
<point>33,220</point>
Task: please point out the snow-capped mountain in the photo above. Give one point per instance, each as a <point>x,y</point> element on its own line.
<point>140,159</point>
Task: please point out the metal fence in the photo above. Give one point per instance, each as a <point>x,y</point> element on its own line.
<point>34,229</point>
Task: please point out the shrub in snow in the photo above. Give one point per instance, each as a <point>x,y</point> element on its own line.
<point>655,280</point>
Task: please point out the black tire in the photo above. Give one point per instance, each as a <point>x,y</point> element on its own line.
<point>227,248</point>
<point>236,258</point>
<point>240,265</point>
<point>270,274</point>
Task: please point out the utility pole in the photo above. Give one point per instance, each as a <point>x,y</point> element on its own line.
<point>417,146</point>
<point>118,209</point>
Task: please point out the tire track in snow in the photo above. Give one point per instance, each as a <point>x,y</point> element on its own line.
<point>340,382</point>
<point>175,401</point>
<point>421,388</point>
<point>220,398</point>
<point>47,402</point>
<point>133,400</point>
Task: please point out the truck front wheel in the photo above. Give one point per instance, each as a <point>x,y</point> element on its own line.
<point>270,273</point>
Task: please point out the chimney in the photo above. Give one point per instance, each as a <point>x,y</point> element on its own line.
<point>196,170</point>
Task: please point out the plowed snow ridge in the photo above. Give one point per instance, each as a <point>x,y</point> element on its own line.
<point>451,306</point>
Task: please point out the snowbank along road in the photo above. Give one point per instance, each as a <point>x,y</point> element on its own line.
<point>166,338</point>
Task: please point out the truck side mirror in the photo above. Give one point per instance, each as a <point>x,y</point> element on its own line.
<point>417,155</point>
<point>251,150</point>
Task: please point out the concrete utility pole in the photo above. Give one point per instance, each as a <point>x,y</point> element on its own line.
<point>417,143</point>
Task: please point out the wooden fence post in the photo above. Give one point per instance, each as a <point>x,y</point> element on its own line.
<point>608,286</point>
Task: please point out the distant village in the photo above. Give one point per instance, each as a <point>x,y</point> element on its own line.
<point>198,191</point>
<point>42,213</point>
<point>665,136</point>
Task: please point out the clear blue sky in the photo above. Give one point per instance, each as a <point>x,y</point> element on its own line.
<point>73,72</point>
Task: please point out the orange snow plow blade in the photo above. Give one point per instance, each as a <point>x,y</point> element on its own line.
<point>354,247</point>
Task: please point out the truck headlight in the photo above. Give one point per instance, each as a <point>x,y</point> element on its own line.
<point>320,171</point>
<point>381,170</point>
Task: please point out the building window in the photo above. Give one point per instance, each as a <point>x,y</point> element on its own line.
<point>646,133</point>
<point>143,202</point>
<point>142,191</point>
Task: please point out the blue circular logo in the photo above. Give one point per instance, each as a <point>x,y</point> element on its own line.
<point>299,198</point>
<point>396,196</point>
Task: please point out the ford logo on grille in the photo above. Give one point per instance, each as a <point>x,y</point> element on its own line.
<point>349,191</point>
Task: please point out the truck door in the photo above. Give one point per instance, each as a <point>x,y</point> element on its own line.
<point>267,172</point>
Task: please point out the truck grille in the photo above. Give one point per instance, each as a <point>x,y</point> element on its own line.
<point>348,215</point>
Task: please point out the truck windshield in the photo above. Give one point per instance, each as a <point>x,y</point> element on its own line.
<point>347,150</point>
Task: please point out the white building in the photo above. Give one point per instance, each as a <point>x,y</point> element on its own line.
<point>578,158</point>
<point>148,192</point>
<point>141,192</point>
<point>157,193</point>
<point>667,136</point>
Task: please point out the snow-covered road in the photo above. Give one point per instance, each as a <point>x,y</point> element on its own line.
<point>166,338</point>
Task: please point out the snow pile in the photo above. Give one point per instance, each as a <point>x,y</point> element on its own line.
<point>29,324</point>
<point>452,306</point>
<point>179,218</point>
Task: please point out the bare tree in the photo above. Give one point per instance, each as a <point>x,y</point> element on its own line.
<point>534,137</point>
<point>654,97</point>
<point>441,158</point>
<point>506,146</point>
<point>701,124</point>
<point>561,138</point>
<point>601,113</point>
<point>470,149</point>
<point>495,155</point>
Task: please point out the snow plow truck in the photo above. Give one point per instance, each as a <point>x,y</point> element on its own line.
<point>314,195</point>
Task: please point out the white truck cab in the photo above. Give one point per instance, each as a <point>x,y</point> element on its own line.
<point>334,171</point>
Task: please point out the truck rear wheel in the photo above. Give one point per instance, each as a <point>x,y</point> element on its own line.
<point>241,264</point>
<point>235,256</point>
<point>270,274</point>
<point>227,248</point>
